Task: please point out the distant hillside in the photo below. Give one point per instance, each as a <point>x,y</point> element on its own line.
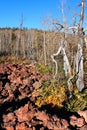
<point>29,43</point>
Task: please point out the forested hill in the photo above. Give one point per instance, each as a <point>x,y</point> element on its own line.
<point>29,43</point>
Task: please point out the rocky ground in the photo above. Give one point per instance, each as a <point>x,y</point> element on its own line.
<point>18,92</point>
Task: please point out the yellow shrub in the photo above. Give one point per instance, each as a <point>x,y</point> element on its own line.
<point>54,95</point>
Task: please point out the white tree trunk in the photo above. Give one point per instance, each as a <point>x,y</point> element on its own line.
<point>55,62</point>
<point>67,67</point>
<point>79,62</point>
<point>44,49</point>
<point>79,68</point>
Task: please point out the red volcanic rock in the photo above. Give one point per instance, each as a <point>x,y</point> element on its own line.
<point>80,122</point>
<point>24,71</point>
<point>23,114</point>
<point>8,88</point>
<point>9,117</point>
<point>15,79</point>
<point>55,118</point>
<point>37,85</point>
<point>26,81</point>
<point>9,121</point>
<point>22,127</point>
<point>83,114</point>
<point>1,86</point>
<point>73,120</point>
<point>51,126</point>
<point>18,80</point>
<point>83,127</point>
<point>9,128</point>
<point>4,93</point>
<point>35,93</point>
<point>42,116</point>
<point>65,123</point>
<point>3,68</point>
<point>12,67</point>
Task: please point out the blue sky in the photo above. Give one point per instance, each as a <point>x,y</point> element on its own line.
<point>33,11</point>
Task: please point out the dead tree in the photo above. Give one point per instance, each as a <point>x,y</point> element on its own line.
<point>79,61</point>
<point>62,49</point>
<point>67,67</point>
<point>79,57</point>
<point>46,26</point>
<point>44,48</point>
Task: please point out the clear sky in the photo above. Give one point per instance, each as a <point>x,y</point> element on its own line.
<point>33,11</point>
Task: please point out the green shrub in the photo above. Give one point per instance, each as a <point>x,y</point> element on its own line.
<point>42,68</point>
<point>78,101</point>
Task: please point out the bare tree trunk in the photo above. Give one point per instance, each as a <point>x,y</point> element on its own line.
<point>67,67</point>
<point>79,62</point>
<point>0,44</point>
<point>79,67</point>
<point>44,48</point>
<point>55,62</point>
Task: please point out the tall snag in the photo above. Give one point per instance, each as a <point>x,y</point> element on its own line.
<point>66,64</point>
<point>79,56</point>
<point>79,60</point>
